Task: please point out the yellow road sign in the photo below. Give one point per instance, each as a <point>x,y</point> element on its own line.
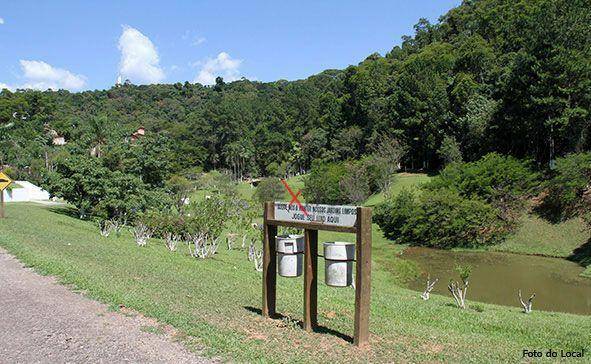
<point>5,181</point>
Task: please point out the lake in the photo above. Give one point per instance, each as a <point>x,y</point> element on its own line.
<point>496,278</point>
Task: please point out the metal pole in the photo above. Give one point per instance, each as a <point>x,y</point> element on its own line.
<point>2,204</point>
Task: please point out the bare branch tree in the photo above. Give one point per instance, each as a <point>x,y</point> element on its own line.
<point>171,241</point>
<point>258,261</point>
<point>458,290</point>
<point>430,285</point>
<point>251,251</point>
<point>141,233</point>
<point>203,245</point>
<point>105,227</point>
<point>388,153</point>
<point>527,306</point>
<point>230,239</point>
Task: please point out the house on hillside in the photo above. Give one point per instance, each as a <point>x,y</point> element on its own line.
<point>56,139</point>
<point>140,132</point>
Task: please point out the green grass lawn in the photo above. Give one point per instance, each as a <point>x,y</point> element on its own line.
<point>246,191</point>
<point>401,181</point>
<point>215,303</point>
<point>540,237</point>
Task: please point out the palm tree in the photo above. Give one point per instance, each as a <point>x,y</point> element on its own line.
<point>98,134</point>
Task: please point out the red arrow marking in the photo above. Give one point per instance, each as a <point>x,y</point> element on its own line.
<point>294,197</point>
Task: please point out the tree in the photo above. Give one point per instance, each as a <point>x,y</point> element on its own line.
<point>97,191</point>
<point>385,160</point>
<point>568,189</point>
<point>313,145</point>
<point>98,132</point>
<point>322,185</point>
<point>498,76</point>
<point>269,189</point>
<point>347,143</point>
<point>450,151</point>
<point>179,187</point>
<point>355,184</point>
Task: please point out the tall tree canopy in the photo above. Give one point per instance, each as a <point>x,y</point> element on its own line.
<point>492,75</point>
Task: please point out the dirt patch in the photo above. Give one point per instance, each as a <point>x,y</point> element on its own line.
<point>43,321</point>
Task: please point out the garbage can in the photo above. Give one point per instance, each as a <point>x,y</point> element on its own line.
<point>338,260</point>
<point>290,255</point>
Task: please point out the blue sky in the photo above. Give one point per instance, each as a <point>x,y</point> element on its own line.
<point>80,45</point>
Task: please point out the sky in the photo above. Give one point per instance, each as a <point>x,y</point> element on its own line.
<point>83,45</point>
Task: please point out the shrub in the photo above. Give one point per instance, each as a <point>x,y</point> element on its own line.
<point>502,181</point>
<point>350,182</point>
<point>322,185</point>
<point>568,189</point>
<point>163,222</point>
<point>179,187</point>
<point>440,218</point>
<point>393,216</point>
<point>218,182</point>
<point>269,189</point>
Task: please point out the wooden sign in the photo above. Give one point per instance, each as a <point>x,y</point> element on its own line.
<point>312,218</point>
<point>345,216</point>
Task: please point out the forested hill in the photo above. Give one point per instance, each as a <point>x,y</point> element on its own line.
<point>491,75</point>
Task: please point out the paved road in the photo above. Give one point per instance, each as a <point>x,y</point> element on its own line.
<point>42,321</point>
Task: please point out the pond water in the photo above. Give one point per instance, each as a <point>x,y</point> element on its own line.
<point>496,278</point>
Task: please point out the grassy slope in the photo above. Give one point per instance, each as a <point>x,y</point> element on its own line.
<point>246,191</point>
<point>401,181</point>
<point>215,301</point>
<point>537,236</point>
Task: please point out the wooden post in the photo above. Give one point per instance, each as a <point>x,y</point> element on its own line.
<point>362,276</point>
<point>269,263</point>
<point>310,279</point>
<point>1,204</point>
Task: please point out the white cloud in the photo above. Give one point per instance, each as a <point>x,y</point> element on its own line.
<point>40,75</point>
<point>223,65</point>
<point>194,39</point>
<point>139,58</point>
<point>1,21</point>
<point>198,40</point>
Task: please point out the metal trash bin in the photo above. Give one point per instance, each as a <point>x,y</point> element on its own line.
<point>290,255</point>
<point>338,260</point>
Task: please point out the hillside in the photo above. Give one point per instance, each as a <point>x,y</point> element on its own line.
<point>491,75</point>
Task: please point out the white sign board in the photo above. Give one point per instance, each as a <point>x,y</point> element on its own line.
<point>323,214</point>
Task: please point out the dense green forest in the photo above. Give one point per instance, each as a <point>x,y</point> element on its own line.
<point>512,77</point>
